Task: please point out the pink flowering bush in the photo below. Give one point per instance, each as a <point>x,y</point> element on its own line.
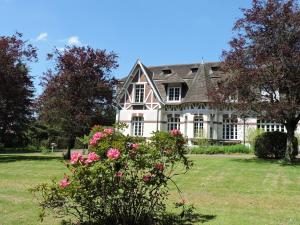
<point>76,157</point>
<point>113,153</point>
<point>122,180</point>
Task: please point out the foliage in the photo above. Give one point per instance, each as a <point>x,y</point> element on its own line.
<point>271,145</point>
<point>41,134</point>
<point>202,140</point>
<point>16,89</point>
<point>252,134</point>
<point>263,65</point>
<point>220,149</point>
<point>78,92</point>
<point>119,182</point>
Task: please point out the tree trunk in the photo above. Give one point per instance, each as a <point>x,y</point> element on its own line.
<point>291,148</point>
<point>71,142</point>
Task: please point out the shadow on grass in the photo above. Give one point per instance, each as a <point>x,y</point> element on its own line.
<point>7,158</point>
<point>281,162</point>
<point>175,219</point>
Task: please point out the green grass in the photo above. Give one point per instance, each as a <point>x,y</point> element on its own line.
<point>219,149</point>
<point>228,190</point>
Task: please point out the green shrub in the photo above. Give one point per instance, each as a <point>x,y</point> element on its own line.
<point>219,149</point>
<point>272,145</point>
<point>118,182</point>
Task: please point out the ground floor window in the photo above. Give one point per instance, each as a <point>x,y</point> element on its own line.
<point>137,126</point>
<point>173,122</point>
<point>198,126</point>
<point>269,126</point>
<point>229,127</point>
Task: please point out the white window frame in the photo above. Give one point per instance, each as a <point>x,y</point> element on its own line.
<point>137,126</point>
<point>269,126</point>
<point>168,94</point>
<point>198,126</point>
<point>139,97</point>
<point>230,127</point>
<point>173,122</point>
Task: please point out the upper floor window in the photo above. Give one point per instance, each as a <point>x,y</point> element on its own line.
<point>139,93</point>
<point>174,94</point>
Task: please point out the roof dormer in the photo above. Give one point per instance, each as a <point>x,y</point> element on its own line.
<point>167,71</point>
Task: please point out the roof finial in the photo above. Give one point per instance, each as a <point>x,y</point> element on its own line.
<point>202,61</point>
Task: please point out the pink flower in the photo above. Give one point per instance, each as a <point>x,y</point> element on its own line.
<point>93,142</point>
<point>113,153</point>
<point>159,166</point>
<point>175,132</point>
<point>92,156</point>
<point>119,174</point>
<point>76,157</point>
<point>134,146</point>
<point>109,131</point>
<point>147,178</point>
<point>96,137</point>
<point>64,182</point>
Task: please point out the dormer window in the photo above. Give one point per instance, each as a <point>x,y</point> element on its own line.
<point>174,94</point>
<point>167,71</point>
<point>215,68</point>
<point>139,93</point>
<point>194,70</point>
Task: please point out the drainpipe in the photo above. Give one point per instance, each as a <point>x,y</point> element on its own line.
<point>118,112</point>
<point>157,118</point>
<point>244,123</point>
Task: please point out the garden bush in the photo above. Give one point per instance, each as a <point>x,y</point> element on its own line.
<point>272,145</point>
<point>119,182</point>
<point>220,149</point>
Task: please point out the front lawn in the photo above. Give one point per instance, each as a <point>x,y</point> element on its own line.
<point>226,190</point>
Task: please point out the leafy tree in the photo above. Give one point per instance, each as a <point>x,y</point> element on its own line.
<point>16,89</point>
<point>78,92</point>
<point>263,63</point>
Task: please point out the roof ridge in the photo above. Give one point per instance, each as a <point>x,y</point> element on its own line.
<point>183,64</point>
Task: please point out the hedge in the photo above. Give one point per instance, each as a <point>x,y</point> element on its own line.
<point>219,149</point>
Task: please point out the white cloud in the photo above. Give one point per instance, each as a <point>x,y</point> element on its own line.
<point>74,40</point>
<point>42,37</point>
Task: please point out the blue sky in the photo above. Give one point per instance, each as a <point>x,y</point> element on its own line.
<point>156,31</point>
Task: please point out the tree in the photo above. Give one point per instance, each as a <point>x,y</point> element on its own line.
<point>264,65</point>
<point>78,93</point>
<point>16,89</point>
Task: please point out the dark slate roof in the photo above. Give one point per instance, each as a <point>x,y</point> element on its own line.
<point>198,83</point>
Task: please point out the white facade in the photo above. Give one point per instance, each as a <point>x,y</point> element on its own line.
<point>143,109</point>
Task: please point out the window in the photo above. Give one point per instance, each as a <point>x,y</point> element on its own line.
<point>194,70</point>
<point>215,68</point>
<point>229,127</point>
<point>139,93</point>
<point>137,126</point>
<point>198,126</point>
<point>174,94</point>
<point>167,71</point>
<point>173,122</point>
<point>269,126</point>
